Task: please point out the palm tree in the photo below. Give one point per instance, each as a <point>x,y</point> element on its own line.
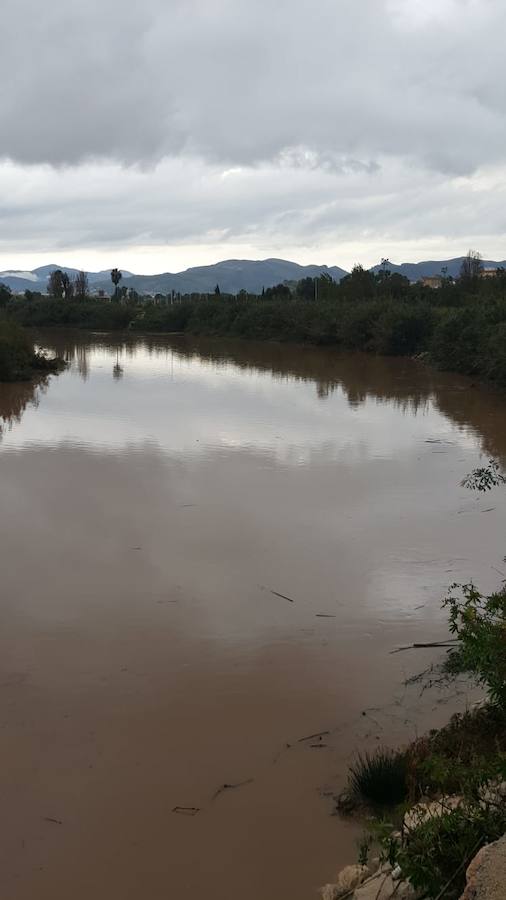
<point>116,277</point>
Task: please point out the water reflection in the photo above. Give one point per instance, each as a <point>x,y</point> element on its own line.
<point>403,385</point>
<point>16,397</point>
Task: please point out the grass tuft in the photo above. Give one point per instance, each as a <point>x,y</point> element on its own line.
<point>380,778</point>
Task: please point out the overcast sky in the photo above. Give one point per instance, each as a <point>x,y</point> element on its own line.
<point>170,133</point>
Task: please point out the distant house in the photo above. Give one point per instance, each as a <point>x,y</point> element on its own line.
<point>432,281</point>
<point>489,273</point>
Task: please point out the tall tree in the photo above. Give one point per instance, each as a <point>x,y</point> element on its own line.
<point>360,284</point>
<point>385,271</point>
<point>81,286</point>
<point>68,286</point>
<point>116,277</point>
<point>471,266</point>
<point>5,295</point>
<point>55,284</point>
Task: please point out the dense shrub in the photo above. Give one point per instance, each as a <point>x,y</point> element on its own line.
<point>435,855</point>
<point>403,330</point>
<point>460,339</point>
<point>48,311</point>
<point>18,359</point>
<point>479,623</point>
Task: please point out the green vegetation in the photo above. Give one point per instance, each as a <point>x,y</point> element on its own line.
<point>460,326</point>
<point>457,759</point>
<point>460,769</point>
<point>18,359</point>
<point>484,478</point>
<point>39,311</point>
<point>479,623</point>
<point>379,778</point>
<point>456,777</point>
<point>436,855</point>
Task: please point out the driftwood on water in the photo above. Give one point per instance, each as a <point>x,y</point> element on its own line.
<point>418,646</point>
<point>283,596</point>
<point>231,787</point>
<point>311,737</point>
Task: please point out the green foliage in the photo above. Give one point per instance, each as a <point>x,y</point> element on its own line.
<point>470,750</point>
<point>5,295</point>
<point>46,311</point>
<point>466,758</point>
<point>460,327</point>
<point>18,360</point>
<point>403,330</point>
<point>485,478</point>
<point>479,623</point>
<point>364,849</point>
<point>435,855</point>
<point>379,778</point>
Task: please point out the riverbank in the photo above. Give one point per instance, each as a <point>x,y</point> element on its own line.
<point>459,332</point>
<point>19,361</point>
<point>432,806</point>
<point>467,338</point>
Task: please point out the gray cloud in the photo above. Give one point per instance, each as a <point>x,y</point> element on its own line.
<point>244,80</point>
<point>283,124</point>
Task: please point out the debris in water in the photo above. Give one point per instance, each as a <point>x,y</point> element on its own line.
<point>232,787</point>
<point>310,737</point>
<point>54,821</point>
<point>283,596</point>
<point>186,810</point>
<point>449,643</point>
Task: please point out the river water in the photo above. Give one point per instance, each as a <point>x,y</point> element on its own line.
<point>209,549</point>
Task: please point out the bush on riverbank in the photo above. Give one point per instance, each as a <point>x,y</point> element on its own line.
<point>385,327</point>
<point>455,777</point>
<point>455,788</point>
<point>434,857</point>
<point>461,327</point>
<point>47,311</point>
<point>18,360</point>
<point>479,623</point>
<point>470,340</point>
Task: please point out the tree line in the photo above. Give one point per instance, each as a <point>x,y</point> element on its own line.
<point>459,326</point>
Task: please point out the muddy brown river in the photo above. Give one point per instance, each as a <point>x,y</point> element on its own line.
<point>208,551</point>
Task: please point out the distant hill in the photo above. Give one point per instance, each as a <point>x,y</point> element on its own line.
<point>232,275</point>
<point>36,279</point>
<point>415,271</point>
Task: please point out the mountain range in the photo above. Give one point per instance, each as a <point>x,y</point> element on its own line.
<point>232,276</point>
<point>415,271</point>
